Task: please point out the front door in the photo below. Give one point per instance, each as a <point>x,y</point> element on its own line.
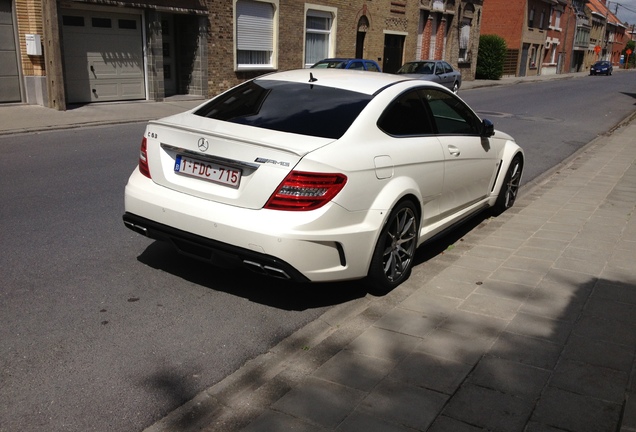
<point>393,51</point>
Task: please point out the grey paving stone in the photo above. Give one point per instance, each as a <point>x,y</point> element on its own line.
<point>592,268</point>
<point>510,377</point>
<point>276,421</point>
<point>540,427</point>
<point>611,308</point>
<point>606,329</point>
<point>498,307</point>
<point>552,234</point>
<point>619,275</point>
<point>592,239</point>
<point>504,233</point>
<point>431,372</point>
<point>505,242</point>
<point>489,409</point>
<point>363,422</point>
<point>569,278</point>
<point>537,253</point>
<point>573,216</point>
<point>564,308</point>
<point>489,252</point>
<point>411,406</point>
<point>555,331</point>
<point>472,262</point>
<point>587,255</point>
<point>454,346</point>
<point>474,325</point>
<point>535,352</point>
<point>503,289</point>
<point>572,412</point>
<point>589,380</point>
<point>599,353</point>
<point>447,424</point>
<point>539,266</point>
<point>410,322</point>
<point>464,275</point>
<point>623,259</point>
<point>625,293</point>
<point>517,276</point>
<point>432,305</point>
<point>449,288</point>
<point>320,402</point>
<point>355,370</point>
<point>384,344</point>
<point>546,243</point>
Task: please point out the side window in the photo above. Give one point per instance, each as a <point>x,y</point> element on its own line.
<point>447,68</point>
<point>406,116</point>
<point>356,65</point>
<point>372,67</point>
<point>451,115</point>
<point>254,34</point>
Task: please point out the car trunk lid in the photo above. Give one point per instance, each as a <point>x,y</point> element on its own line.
<point>221,161</point>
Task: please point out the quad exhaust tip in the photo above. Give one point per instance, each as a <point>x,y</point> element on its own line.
<point>137,228</point>
<point>266,270</point>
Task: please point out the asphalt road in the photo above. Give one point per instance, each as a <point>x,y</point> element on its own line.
<point>105,330</point>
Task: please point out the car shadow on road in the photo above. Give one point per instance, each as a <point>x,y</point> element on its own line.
<point>279,293</point>
<point>244,283</point>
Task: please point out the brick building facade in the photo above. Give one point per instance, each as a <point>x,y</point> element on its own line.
<point>106,50</point>
<point>554,36</point>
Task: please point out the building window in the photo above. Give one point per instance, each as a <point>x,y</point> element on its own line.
<point>72,21</point>
<point>318,25</point>
<point>464,40</point>
<point>254,34</point>
<point>557,20</point>
<point>531,18</point>
<point>541,19</point>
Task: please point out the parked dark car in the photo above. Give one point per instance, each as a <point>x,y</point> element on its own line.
<point>433,70</point>
<point>348,63</point>
<point>601,68</point>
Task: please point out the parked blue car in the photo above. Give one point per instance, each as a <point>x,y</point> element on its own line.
<point>601,68</point>
<point>348,63</point>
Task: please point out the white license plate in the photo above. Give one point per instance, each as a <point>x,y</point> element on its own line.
<point>208,171</point>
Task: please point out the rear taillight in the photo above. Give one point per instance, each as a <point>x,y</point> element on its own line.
<point>306,191</point>
<point>143,159</point>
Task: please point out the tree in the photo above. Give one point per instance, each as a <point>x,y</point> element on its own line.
<point>491,57</point>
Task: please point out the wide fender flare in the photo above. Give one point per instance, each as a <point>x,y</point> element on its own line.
<point>510,150</point>
<point>395,190</point>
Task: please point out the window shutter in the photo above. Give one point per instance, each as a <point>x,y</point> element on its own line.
<point>255,26</point>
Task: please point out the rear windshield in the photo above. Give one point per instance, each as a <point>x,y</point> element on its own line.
<point>298,108</point>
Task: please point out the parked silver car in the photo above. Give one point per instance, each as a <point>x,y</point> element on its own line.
<point>433,70</point>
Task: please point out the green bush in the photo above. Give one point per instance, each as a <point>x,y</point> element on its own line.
<point>491,57</point>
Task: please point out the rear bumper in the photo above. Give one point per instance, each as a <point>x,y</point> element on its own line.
<point>326,244</point>
<point>213,251</point>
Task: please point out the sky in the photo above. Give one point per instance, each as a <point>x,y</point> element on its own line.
<point>626,10</point>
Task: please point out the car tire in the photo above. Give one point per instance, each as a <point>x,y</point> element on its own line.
<point>510,187</point>
<point>393,256</point>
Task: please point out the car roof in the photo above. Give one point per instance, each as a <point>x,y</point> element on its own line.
<point>353,80</point>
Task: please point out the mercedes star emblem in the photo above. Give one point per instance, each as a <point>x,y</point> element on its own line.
<point>203,144</point>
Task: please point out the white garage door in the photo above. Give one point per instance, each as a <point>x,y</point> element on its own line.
<point>103,57</point>
<point>9,78</point>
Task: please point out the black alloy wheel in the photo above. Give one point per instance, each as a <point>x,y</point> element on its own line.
<point>510,188</point>
<point>393,255</point>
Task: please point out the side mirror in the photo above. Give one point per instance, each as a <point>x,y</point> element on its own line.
<point>487,128</point>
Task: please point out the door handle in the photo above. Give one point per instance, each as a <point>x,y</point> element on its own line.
<point>454,150</point>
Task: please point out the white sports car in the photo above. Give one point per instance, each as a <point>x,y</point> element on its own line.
<point>320,175</point>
